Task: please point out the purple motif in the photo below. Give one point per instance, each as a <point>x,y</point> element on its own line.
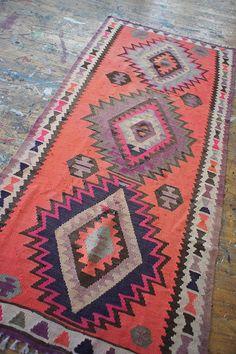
<point>9,286</point>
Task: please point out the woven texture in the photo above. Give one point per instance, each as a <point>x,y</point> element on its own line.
<point>111,209</point>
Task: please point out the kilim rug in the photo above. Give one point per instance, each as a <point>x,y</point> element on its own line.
<point>111,208</point>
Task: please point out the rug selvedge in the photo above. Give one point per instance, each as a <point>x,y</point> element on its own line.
<point>149,152</point>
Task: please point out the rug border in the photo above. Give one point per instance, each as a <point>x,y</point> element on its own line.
<point>170,33</point>
<point>207,299</point>
<point>211,273</point>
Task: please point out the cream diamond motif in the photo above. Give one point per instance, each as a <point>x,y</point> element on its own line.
<point>78,294</point>
<point>166,66</point>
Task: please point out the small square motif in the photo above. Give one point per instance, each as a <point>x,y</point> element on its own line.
<point>165,63</point>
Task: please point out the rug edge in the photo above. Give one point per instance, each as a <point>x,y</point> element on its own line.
<point>211,274</point>
<point>172,34</point>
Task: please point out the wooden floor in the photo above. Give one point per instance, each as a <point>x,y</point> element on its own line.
<point>40,40</point>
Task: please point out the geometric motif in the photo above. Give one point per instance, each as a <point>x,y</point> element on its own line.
<point>168,197</point>
<point>194,276</point>
<point>118,78</point>
<point>188,323</point>
<point>164,66</point>
<point>41,329</point>
<point>141,336</point>
<point>97,246</point>
<point>191,100</point>
<point>143,137</point>
<point>63,339</point>
<point>9,286</point>
<point>84,347</point>
<point>165,63</point>
<point>78,233</point>
<point>82,166</point>
<point>84,258</point>
<point>142,130</point>
<point>19,319</point>
<point>3,195</point>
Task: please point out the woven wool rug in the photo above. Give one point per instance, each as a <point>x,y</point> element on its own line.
<point>111,208</point>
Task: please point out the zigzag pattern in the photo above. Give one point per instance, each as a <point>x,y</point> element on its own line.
<point>150,168</point>
<point>176,297</point>
<point>143,76</point>
<point>50,296</point>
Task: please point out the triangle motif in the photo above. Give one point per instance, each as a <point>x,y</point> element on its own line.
<point>63,339</point>
<point>19,320</point>
<point>41,329</point>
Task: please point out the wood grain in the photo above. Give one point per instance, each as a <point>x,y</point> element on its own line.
<point>39,42</point>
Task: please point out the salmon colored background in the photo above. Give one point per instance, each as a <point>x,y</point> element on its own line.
<point>53,178</point>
